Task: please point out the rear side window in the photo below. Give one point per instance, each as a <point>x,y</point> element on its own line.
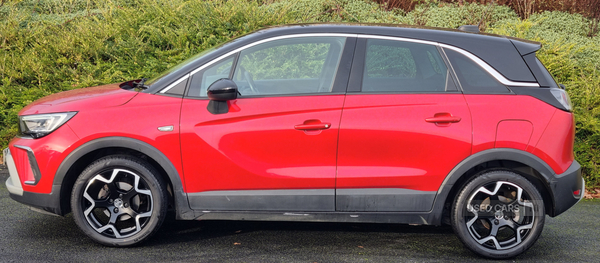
<point>398,66</point>
<point>472,77</point>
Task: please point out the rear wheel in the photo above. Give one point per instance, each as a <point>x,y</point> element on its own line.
<point>499,214</point>
<point>119,201</point>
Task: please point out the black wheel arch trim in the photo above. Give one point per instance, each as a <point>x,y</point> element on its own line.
<point>549,177</point>
<point>500,154</point>
<point>182,207</point>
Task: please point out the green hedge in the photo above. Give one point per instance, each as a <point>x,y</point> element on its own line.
<point>48,46</point>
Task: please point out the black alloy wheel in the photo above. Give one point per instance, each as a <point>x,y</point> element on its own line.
<point>119,201</point>
<point>499,214</point>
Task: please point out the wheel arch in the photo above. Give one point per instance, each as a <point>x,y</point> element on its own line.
<point>82,156</point>
<point>524,163</point>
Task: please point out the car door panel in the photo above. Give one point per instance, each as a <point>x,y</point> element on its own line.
<point>389,150</point>
<point>403,133</point>
<point>256,147</point>
<point>274,147</point>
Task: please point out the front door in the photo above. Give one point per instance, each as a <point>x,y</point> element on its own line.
<point>275,148</point>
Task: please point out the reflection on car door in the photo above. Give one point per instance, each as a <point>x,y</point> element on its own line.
<point>402,131</point>
<point>276,147</point>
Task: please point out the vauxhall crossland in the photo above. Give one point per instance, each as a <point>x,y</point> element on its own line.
<point>318,122</point>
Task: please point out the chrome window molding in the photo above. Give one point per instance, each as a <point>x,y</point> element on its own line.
<point>474,58</point>
<point>399,39</point>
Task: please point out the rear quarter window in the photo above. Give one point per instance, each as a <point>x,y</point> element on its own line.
<point>472,77</point>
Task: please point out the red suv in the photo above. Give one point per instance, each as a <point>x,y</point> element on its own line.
<point>325,122</point>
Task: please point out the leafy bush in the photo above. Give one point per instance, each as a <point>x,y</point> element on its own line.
<point>453,16</point>
<point>572,58</point>
<point>306,11</point>
<point>48,46</point>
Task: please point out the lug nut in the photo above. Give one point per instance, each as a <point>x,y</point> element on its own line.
<point>110,201</point>
<point>125,205</point>
<point>116,210</point>
<point>496,222</point>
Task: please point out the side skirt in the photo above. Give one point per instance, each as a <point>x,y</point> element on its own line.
<point>341,217</point>
<point>317,205</point>
<point>264,200</point>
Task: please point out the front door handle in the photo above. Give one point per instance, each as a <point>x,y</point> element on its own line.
<point>443,119</point>
<point>308,126</point>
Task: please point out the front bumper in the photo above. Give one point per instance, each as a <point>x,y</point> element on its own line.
<point>563,187</point>
<point>47,202</point>
<point>13,184</point>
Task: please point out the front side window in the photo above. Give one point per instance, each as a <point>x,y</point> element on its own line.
<point>398,66</point>
<point>289,66</point>
<point>202,79</point>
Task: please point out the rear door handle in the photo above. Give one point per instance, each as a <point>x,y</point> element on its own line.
<point>443,119</point>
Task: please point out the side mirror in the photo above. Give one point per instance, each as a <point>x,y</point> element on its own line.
<point>222,90</point>
<point>219,92</point>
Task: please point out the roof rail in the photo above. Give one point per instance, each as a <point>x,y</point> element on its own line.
<point>469,28</point>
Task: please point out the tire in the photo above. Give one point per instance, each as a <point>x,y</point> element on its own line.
<point>498,214</point>
<point>119,200</point>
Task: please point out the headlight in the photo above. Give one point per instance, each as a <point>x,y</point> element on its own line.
<point>40,125</point>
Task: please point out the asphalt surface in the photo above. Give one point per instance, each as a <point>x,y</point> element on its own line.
<point>28,236</point>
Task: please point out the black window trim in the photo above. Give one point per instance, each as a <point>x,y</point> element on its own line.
<point>453,75</point>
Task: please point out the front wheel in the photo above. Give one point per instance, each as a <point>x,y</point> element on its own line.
<point>119,201</point>
<point>499,214</point>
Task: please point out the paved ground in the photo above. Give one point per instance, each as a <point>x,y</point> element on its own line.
<point>27,236</point>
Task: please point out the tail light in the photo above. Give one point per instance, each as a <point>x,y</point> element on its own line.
<point>562,97</point>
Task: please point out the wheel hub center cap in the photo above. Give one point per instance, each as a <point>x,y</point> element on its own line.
<point>118,202</point>
<point>499,215</point>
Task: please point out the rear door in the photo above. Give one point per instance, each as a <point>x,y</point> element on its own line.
<point>404,127</point>
<point>275,148</point>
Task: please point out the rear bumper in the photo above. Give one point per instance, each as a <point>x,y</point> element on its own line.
<point>563,188</point>
<point>47,202</point>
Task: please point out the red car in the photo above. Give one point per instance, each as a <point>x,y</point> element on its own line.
<point>325,122</point>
